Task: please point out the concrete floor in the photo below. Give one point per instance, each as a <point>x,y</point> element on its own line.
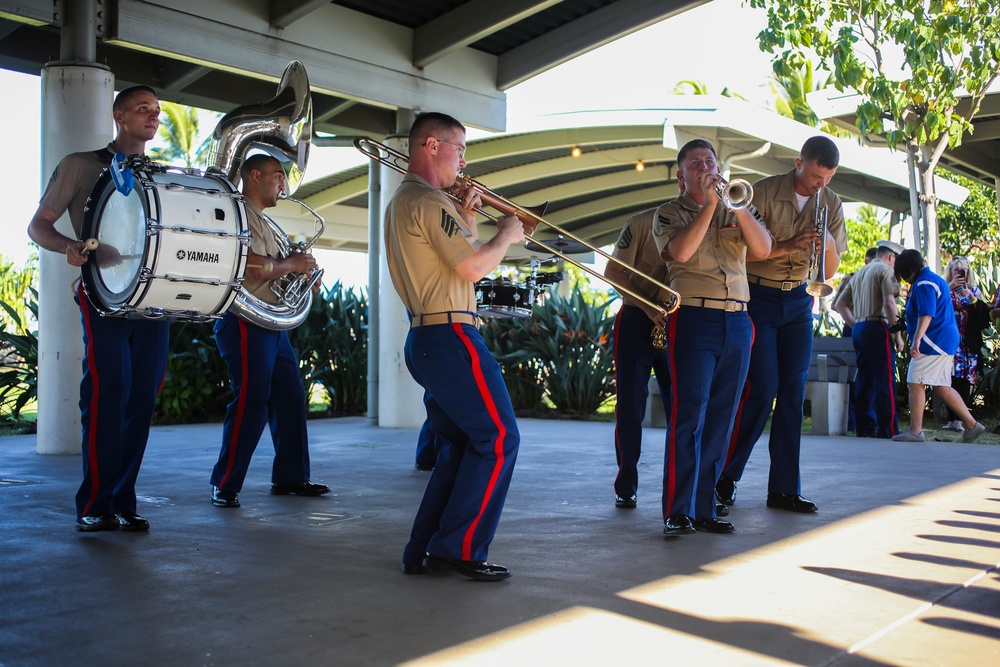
<point>899,567</point>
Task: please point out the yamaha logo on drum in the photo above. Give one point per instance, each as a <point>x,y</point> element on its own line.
<point>198,256</point>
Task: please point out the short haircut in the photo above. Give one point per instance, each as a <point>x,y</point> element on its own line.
<point>124,96</point>
<point>690,146</point>
<point>871,253</point>
<point>882,251</point>
<point>430,124</point>
<point>822,151</point>
<point>908,264</point>
<point>256,161</point>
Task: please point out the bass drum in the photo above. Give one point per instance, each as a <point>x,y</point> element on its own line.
<point>503,298</point>
<point>174,248</point>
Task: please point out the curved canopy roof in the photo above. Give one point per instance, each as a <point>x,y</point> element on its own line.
<point>592,195</point>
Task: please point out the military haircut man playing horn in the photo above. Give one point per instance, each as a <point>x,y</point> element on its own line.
<point>781,310</point>
<point>263,367</point>
<point>434,259</point>
<point>124,359</point>
<point>708,337</point>
<point>634,350</point>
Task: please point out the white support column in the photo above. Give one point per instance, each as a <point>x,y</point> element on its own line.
<point>76,116</point>
<point>400,398</point>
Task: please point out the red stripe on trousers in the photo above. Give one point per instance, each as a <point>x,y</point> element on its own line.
<point>889,351</point>
<point>739,408</point>
<point>671,437</point>
<point>241,406</point>
<point>92,467</point>
<point>491,408</point>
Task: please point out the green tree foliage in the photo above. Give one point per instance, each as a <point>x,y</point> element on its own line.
<point>696,87</point>
<point>862,233</point>
<point>970,229</point>
<point>180,139</point>
<point>909,60</point>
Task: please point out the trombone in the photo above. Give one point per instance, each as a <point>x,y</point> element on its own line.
<point>530,219</point>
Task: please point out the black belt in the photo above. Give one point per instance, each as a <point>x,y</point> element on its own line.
<point>874,319</point>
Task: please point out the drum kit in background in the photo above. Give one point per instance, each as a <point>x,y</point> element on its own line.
<point>501,297</point>
<point>172,243</point>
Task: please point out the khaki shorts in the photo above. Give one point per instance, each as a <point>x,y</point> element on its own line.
<point>931,369</point>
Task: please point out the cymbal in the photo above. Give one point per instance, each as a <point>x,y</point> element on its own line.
<point>566,247</point>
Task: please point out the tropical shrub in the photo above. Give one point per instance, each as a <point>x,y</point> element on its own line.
<point>18,358</point>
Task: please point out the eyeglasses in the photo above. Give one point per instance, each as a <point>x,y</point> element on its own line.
<point>458,148</point>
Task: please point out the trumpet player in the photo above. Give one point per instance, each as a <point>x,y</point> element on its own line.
<point>263,367</point>
<point>708,338</point>
<point>636,351</point>
<point>781,309</point>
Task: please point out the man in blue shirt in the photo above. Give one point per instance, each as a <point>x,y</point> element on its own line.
<point>933,332</point>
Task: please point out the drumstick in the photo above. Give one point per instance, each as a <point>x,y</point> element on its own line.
<point>91,244</point>
<point>267,266</point>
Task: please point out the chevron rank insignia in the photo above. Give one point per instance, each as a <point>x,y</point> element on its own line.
<point>449,224</point>
<point>625,240</point>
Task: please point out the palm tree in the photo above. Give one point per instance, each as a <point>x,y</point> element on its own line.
<point>696,87</point>
<point>791,100</point>
<point>179,134</point>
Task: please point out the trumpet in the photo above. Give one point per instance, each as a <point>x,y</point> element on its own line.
<point>817,260</point>
<point>735,194</point>
<point>530,218</point>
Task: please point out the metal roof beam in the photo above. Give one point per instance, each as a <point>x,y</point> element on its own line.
<point>286,12</point>
<point>468,23</point>
<point>584,34</point>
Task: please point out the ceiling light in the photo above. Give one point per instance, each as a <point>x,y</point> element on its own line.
<point>576,152</point>
<point>640,165</point>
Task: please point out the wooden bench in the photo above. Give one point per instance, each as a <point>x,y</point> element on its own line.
<point>833,368</point>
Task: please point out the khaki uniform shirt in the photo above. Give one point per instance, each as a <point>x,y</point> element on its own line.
<point>261,243</point>
<point>866,291</point>
<point>717,269</point>
<point>72,182</point>
<point>777,204</point>
<point>637,248</point>
<point>425,239</point>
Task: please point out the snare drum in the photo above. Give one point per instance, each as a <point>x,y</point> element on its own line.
<point>174,248</point>
<point>502,298</point>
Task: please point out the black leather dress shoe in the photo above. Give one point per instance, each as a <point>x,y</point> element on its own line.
<point>131,522</point>
<point>625,503</point>
<point>474,569</point>
<point>679,524</point>
<point>299,489</point>
<point>790,502</point>
<point>223,498</point>
<point>93,523</point>
<point>425,467</point>
<point>414,568</point>
<point>713,525</point>
<point>721,509</point>
<point>725,490</point>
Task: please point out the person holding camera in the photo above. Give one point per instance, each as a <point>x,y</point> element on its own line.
<point>868,306</point>
<point>973,317</point>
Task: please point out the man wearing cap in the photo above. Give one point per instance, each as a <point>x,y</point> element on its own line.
<point>934,338</point>
<point>868,306</point>
<point>781,311</point>
<point>708,349</point>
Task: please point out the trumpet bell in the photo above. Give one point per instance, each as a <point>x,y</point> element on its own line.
<point>819,289</point>
<point>736,194</point>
